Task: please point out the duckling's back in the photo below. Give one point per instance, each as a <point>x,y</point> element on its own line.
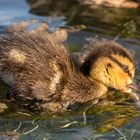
<point>34,66</point>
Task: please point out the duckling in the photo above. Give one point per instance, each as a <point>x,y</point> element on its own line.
<point>42,75</point>
<point>111,62</point>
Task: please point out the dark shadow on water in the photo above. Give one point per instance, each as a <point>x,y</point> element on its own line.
<point>79,13</point>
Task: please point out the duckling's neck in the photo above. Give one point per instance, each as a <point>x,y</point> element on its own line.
<point>102,88</point>
<point>82,89</point>
<point>100,82</point>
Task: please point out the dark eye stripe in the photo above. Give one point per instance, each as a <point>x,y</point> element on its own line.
<point>121,65</point>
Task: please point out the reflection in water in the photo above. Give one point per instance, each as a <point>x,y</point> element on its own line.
<point>71,127</point>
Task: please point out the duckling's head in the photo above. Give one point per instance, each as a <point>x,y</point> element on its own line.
<point>110,64</point>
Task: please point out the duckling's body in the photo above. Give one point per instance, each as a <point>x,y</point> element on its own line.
<point>42,74</point>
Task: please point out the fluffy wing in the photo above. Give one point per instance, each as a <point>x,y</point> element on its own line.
<point>33,65</point>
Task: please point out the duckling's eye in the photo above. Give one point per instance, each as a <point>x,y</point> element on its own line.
<point>125,68</point>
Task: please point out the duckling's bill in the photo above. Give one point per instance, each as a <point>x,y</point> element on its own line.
<point>135,97</point>
<point>132,94</point>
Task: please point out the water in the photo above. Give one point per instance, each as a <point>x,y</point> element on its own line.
<point>113,122</point>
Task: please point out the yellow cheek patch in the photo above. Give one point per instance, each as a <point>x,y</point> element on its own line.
<point>98,70</point>
<point>17,56</point>
<point>125,61</point>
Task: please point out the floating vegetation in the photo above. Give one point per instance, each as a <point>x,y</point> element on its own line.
<point>127,28</point>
